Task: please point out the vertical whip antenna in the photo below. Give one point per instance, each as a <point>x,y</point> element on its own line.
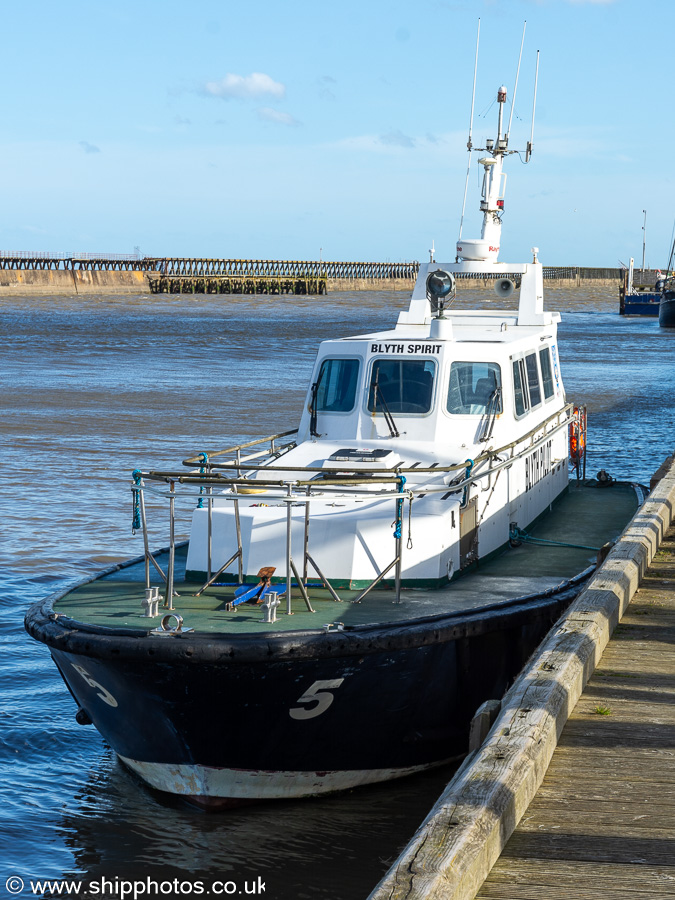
<point>530,143</point>
<point>515,87</point>
<point>469,145</point>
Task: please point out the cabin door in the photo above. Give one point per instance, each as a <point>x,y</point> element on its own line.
<point>467,534</point>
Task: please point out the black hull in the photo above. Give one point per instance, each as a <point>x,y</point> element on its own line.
<point>667,310</point>
<point>220,719</point>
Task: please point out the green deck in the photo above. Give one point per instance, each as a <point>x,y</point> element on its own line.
<point>585,515</point>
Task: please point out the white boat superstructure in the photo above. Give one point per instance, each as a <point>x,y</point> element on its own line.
<point>418,449</point>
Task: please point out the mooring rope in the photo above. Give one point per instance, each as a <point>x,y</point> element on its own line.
<point>136,508</point>
<point>469,463</point>
<point>516,534</point>
<point>398,530</point>
<point>202,471</point>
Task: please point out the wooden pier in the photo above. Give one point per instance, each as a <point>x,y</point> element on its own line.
<point>237,284</point>
<point>602,824</point>
<point>265,276</point>
<point>571,794</point>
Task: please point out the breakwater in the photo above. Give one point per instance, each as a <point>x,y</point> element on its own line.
<point>178,275</point>
<point>60,281</point>
<point>45,273</point>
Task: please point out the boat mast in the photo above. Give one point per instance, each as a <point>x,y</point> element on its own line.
<point>486,249</point>
<point>515,86</point>
<point>530,144</point>
<point>469,144</point>
<point>492,203</point>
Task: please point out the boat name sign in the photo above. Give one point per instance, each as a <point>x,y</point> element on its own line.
<point>537,465</point>
<point>433,349</point>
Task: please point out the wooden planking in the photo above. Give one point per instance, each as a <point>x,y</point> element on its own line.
<point>541,879</point>
<point>603,821</point>
<point>599,847</point>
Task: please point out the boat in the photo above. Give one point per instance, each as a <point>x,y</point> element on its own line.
<point>667,298</point>
<point>352,590</point>
<point>640,294</point>
<point>667,306</point>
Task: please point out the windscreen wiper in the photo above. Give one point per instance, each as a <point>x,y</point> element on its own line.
<point>313,410</point>
<point>388,418</point>
<point>492,407</point>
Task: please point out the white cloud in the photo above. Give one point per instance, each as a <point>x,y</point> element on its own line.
<point>245,87</point>
<point>397,139</point>
<point>273,115</point>
<point>388,144</point>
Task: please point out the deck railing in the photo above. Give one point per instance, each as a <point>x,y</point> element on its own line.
<point>350,483</point>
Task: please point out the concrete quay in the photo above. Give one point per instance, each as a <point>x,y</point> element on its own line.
<point>572,792</point>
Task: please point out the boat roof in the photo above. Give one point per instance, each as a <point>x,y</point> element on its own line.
<point>467,328</point>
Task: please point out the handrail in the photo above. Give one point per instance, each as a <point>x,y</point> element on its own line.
<point>219,480</point>
<point>454,486</point>
<point>196,460</point>
<point>297,491</point>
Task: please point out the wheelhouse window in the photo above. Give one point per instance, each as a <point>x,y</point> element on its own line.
<point>533,379</point>
<point>336,385</point>
<point>401,386</point>
<point>519,387</point>
<point>526,384</point>
<point>473,387</point>
<point>546,372</point>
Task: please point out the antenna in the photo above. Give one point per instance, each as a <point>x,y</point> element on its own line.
<point>469,145</point>
<point>530,143</point>
<point>515,89</point>
<point>670,259</point>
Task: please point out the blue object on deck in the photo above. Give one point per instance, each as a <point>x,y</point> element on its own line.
<point>246,592</point>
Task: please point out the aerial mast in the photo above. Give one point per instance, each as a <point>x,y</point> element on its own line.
<point>469,145</point>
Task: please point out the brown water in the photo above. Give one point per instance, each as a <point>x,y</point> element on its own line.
<point>93,387</point>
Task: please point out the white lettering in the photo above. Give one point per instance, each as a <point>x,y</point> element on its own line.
<point>106,696</point>
<point>316,693</point>
<point>537,465</point>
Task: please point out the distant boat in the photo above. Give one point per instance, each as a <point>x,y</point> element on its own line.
<point>640,295</point>
<point>667,305</point>
<point>667,299</point>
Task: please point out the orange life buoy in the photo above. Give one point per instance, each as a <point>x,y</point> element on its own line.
<point>577,438</point>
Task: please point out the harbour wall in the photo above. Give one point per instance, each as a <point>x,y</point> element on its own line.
<point>454,849</point>
<point>72,281</point>
<point>554,276</point>
<point>101,281</point>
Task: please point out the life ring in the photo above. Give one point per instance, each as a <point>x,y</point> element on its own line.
<point>577,441</point>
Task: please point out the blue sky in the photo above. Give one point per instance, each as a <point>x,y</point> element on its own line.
<point>282,130</point>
